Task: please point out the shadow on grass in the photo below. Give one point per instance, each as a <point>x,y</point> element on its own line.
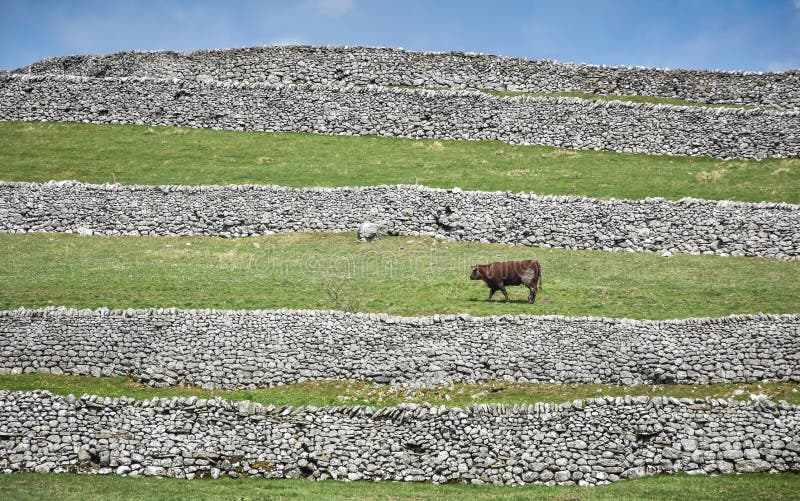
<point>501,301</point>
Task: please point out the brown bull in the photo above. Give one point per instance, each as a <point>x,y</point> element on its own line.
<point>498,275</point>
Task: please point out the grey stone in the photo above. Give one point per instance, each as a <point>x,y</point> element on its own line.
<point>371,231</point>
<point>732,454</point>
<point>752,465</point>
<point>562,476</point>
<point>154,471</point>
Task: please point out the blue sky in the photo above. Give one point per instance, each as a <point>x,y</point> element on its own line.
<point>757,35</point>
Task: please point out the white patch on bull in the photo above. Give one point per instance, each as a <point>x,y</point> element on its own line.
<point>528,276</point>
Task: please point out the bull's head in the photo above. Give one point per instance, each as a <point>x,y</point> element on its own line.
<point>476,272</point>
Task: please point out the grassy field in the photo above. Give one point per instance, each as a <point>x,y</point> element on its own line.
<point>170,155</point>
<point>398,275</point>
<point>331,392</point>
<point>34,487</point>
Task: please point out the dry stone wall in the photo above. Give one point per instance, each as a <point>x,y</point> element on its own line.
<point>387,66</point>
<point>687,226</point>
<point>230,349</point>
<point>584,442</point>
<point>564,122</point>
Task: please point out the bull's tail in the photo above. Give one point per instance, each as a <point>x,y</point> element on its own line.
<point>539,272</point>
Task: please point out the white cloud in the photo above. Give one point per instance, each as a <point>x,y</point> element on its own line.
<point>783,65</point>
<point>335,8</point>
<point>121,27</point>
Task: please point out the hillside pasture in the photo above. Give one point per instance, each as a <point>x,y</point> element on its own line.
<point>399,275</point>
<point>131,154</point>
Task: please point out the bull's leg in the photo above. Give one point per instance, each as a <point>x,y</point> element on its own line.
<point>491,293</point>
<point>532,295</point>
<point>503,290</point>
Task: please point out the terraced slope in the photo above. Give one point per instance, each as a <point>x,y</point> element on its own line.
<point>409,275</point>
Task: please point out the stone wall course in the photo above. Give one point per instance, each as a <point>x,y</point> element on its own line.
<point>232,349</point>
<point>585,442</point>
<point>656,225</point>
<point>390,66</point>
<point>463,115</point>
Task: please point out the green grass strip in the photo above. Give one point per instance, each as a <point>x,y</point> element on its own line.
<point>399,275</point>
<point>169,155</point>
<point>37,486</point>
<point>343,392</point>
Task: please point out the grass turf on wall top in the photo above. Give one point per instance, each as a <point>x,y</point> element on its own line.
<point>345,392</point>
<point>594,97</point>
<point>34,487</point>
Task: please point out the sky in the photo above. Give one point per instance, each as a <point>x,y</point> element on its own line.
<point>755,35</point>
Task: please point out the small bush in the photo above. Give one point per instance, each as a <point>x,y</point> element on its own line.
<point>338,289</point>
